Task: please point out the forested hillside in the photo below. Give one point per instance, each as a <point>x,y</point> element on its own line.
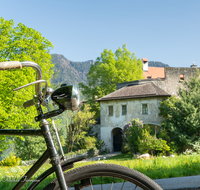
<point>157,64</point>
<point>71,72</point>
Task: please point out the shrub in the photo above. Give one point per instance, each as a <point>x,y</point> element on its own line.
<point>125,148</point>
<point>150,144</point>
<point>92,152</point>
<point>88,142</point>
<point>163,134</point>
<point>173,147</point>
<point>196,147</point>
<point>195,150</point>
<point>11,160</point>
<point>138,138</point>
<point>131,134</point>
<point>100,144</point>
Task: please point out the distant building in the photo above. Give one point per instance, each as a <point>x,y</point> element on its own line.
<point>138,99</point>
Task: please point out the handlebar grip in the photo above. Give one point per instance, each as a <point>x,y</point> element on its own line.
<point>28,103</point>
<point>10,65</point>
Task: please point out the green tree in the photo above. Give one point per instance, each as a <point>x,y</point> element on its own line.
<point>20,43</point>
<point>79,126</point>
<point>30,147</point>
<point>109,69</point>
<point>182,114</point>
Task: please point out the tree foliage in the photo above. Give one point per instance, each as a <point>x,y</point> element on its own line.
<point>30,147</point>
<point>77,129</point>
<point>150,144</point>
<point>138,138</point>
<point>131,134</point>
<point>20,43</point>
<point>109,69</point>
<point>182,114</point>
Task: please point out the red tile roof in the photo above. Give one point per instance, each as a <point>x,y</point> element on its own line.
<point>144,59</point>
<point>154,72</point>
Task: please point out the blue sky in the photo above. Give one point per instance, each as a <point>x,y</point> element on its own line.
<point>159,30</point>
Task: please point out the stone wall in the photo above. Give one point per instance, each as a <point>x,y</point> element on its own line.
<point>172,81</point>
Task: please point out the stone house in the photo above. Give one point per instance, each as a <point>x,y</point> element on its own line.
<point>138,99</point>
<point>131,101</point>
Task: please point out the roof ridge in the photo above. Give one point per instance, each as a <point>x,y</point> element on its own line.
<point>133,91</point>
<point>112,92</point>
<point>155,87</point>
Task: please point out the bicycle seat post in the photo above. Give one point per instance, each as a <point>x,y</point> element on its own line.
<point>54,156</point>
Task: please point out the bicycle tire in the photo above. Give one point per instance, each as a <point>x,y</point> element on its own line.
<point>83,177</point>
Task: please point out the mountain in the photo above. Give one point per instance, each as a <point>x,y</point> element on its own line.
<point>69,72</point>
<point>157,64</point>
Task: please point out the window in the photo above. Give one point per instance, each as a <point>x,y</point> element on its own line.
<point>181,77</point>
<point>144,109</point>
<point>110,110</point>
<point>124,109</point>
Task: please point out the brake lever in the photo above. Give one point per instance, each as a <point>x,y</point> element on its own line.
<point>35,82</point>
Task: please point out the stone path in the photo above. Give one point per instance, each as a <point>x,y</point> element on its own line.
<point>101,157</point>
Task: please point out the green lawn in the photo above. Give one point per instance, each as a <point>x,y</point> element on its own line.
<point>159,167</point>
<point>155,168</point>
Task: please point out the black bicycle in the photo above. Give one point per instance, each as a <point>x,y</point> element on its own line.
<point>67,98</point>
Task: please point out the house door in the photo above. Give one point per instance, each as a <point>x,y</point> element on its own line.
<point>117,139</point>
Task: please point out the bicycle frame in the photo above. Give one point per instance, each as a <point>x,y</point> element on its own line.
<point>51,151</point>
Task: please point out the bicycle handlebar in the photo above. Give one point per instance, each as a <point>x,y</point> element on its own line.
<point>18,65</point>
<point>38,75</point>
<point>10,65</point>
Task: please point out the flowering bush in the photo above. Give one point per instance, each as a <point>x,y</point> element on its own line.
<point>138,138</point>
<point>130,134</point>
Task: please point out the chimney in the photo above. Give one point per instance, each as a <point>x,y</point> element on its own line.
<point>193,66</point>
<point>145,64</point>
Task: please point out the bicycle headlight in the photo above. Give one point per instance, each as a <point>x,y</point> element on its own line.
<point>67,97</point>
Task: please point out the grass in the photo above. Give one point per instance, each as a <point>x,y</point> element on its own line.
<point>121,157</point>
<point>159,167</point>
<point>155,168</point>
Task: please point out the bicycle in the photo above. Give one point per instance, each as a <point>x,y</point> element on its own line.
<point>67,98</point>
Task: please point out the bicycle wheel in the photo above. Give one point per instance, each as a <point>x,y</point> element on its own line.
<point>104,177</point>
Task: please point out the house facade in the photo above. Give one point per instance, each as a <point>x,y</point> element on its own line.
<point>121,106</point>
<point>138,99</point>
